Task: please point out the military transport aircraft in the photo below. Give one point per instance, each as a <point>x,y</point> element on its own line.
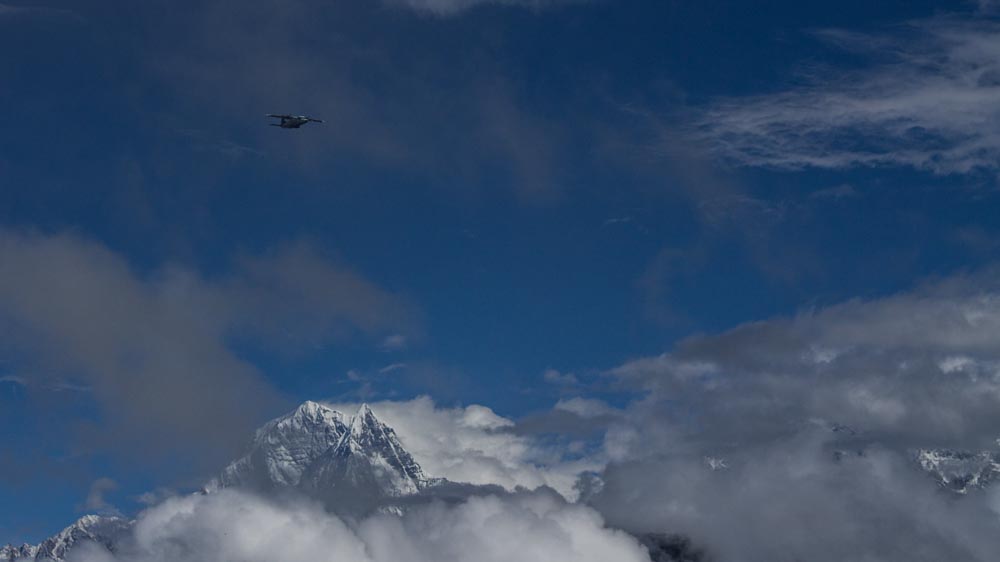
<point>292,121</point>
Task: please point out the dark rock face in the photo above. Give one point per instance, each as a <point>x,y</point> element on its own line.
<point>672,548</point>
<point>960,471</point>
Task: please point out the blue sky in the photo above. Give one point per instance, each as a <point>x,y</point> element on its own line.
<point>499,189</point>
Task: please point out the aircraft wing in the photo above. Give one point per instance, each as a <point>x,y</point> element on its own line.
<point>279,116</point>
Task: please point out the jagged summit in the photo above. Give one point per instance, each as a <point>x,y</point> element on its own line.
<point>99,529</point>
<point>369,459</point>
<point>24,552</point>
<point>283,448</point>
<point>355,463</point>
<point>317,449</point>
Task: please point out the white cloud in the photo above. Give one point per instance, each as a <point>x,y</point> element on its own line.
<point>392,367</point>
<point>96,502</point>
<point>816,417</point>
<point>394,342</point>
<point>916,367</point>
<point>586,407</point>
<point>555,377</point>
<point>792,501</point>
<point>927,101</point>
<point>20,381</point>
<point>232,526</point>
<point>475,445</point>
<point>154,497</point>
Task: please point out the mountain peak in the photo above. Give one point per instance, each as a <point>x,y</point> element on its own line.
<point>9,553</point>
<point>364,422</point>
<point>314,411</point>
<point>319,449</point>
<point>285,447</point>
<point>101,529</point>
<point>370,457</point>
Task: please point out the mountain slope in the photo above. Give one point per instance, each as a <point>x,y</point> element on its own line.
<point>321,451</point>
<point>284,448</point>
<point>96,528</point>
<point>10,552</point>
<point>369,459</point>
<point>354,463</point>
<point>102,530</point>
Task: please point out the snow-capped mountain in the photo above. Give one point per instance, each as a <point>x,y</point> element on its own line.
<point>368,459</point>
<point>104,530</point>
<point>954,470</point>
<point>284,448</point>
<point>10,552</point>
<point>355,463</point>
<point>960,471</point>
<point>323,452</point>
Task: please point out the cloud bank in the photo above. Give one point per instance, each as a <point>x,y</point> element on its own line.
<point>791,501</point>
<point>792,438</point>
<point>785,439</point>
<point>926,100</point>
<point>789,438</point>
<point>234,526</point>
<point>916,368</point>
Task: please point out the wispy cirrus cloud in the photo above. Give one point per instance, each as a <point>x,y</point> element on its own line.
<point>17,10</point>
<point>927,99</point>
<point>13,379</point>
<point>453,7</point>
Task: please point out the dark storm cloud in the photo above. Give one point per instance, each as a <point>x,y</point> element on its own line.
<point>155,349</point>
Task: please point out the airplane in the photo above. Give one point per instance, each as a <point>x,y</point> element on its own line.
<point>292,121</point>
